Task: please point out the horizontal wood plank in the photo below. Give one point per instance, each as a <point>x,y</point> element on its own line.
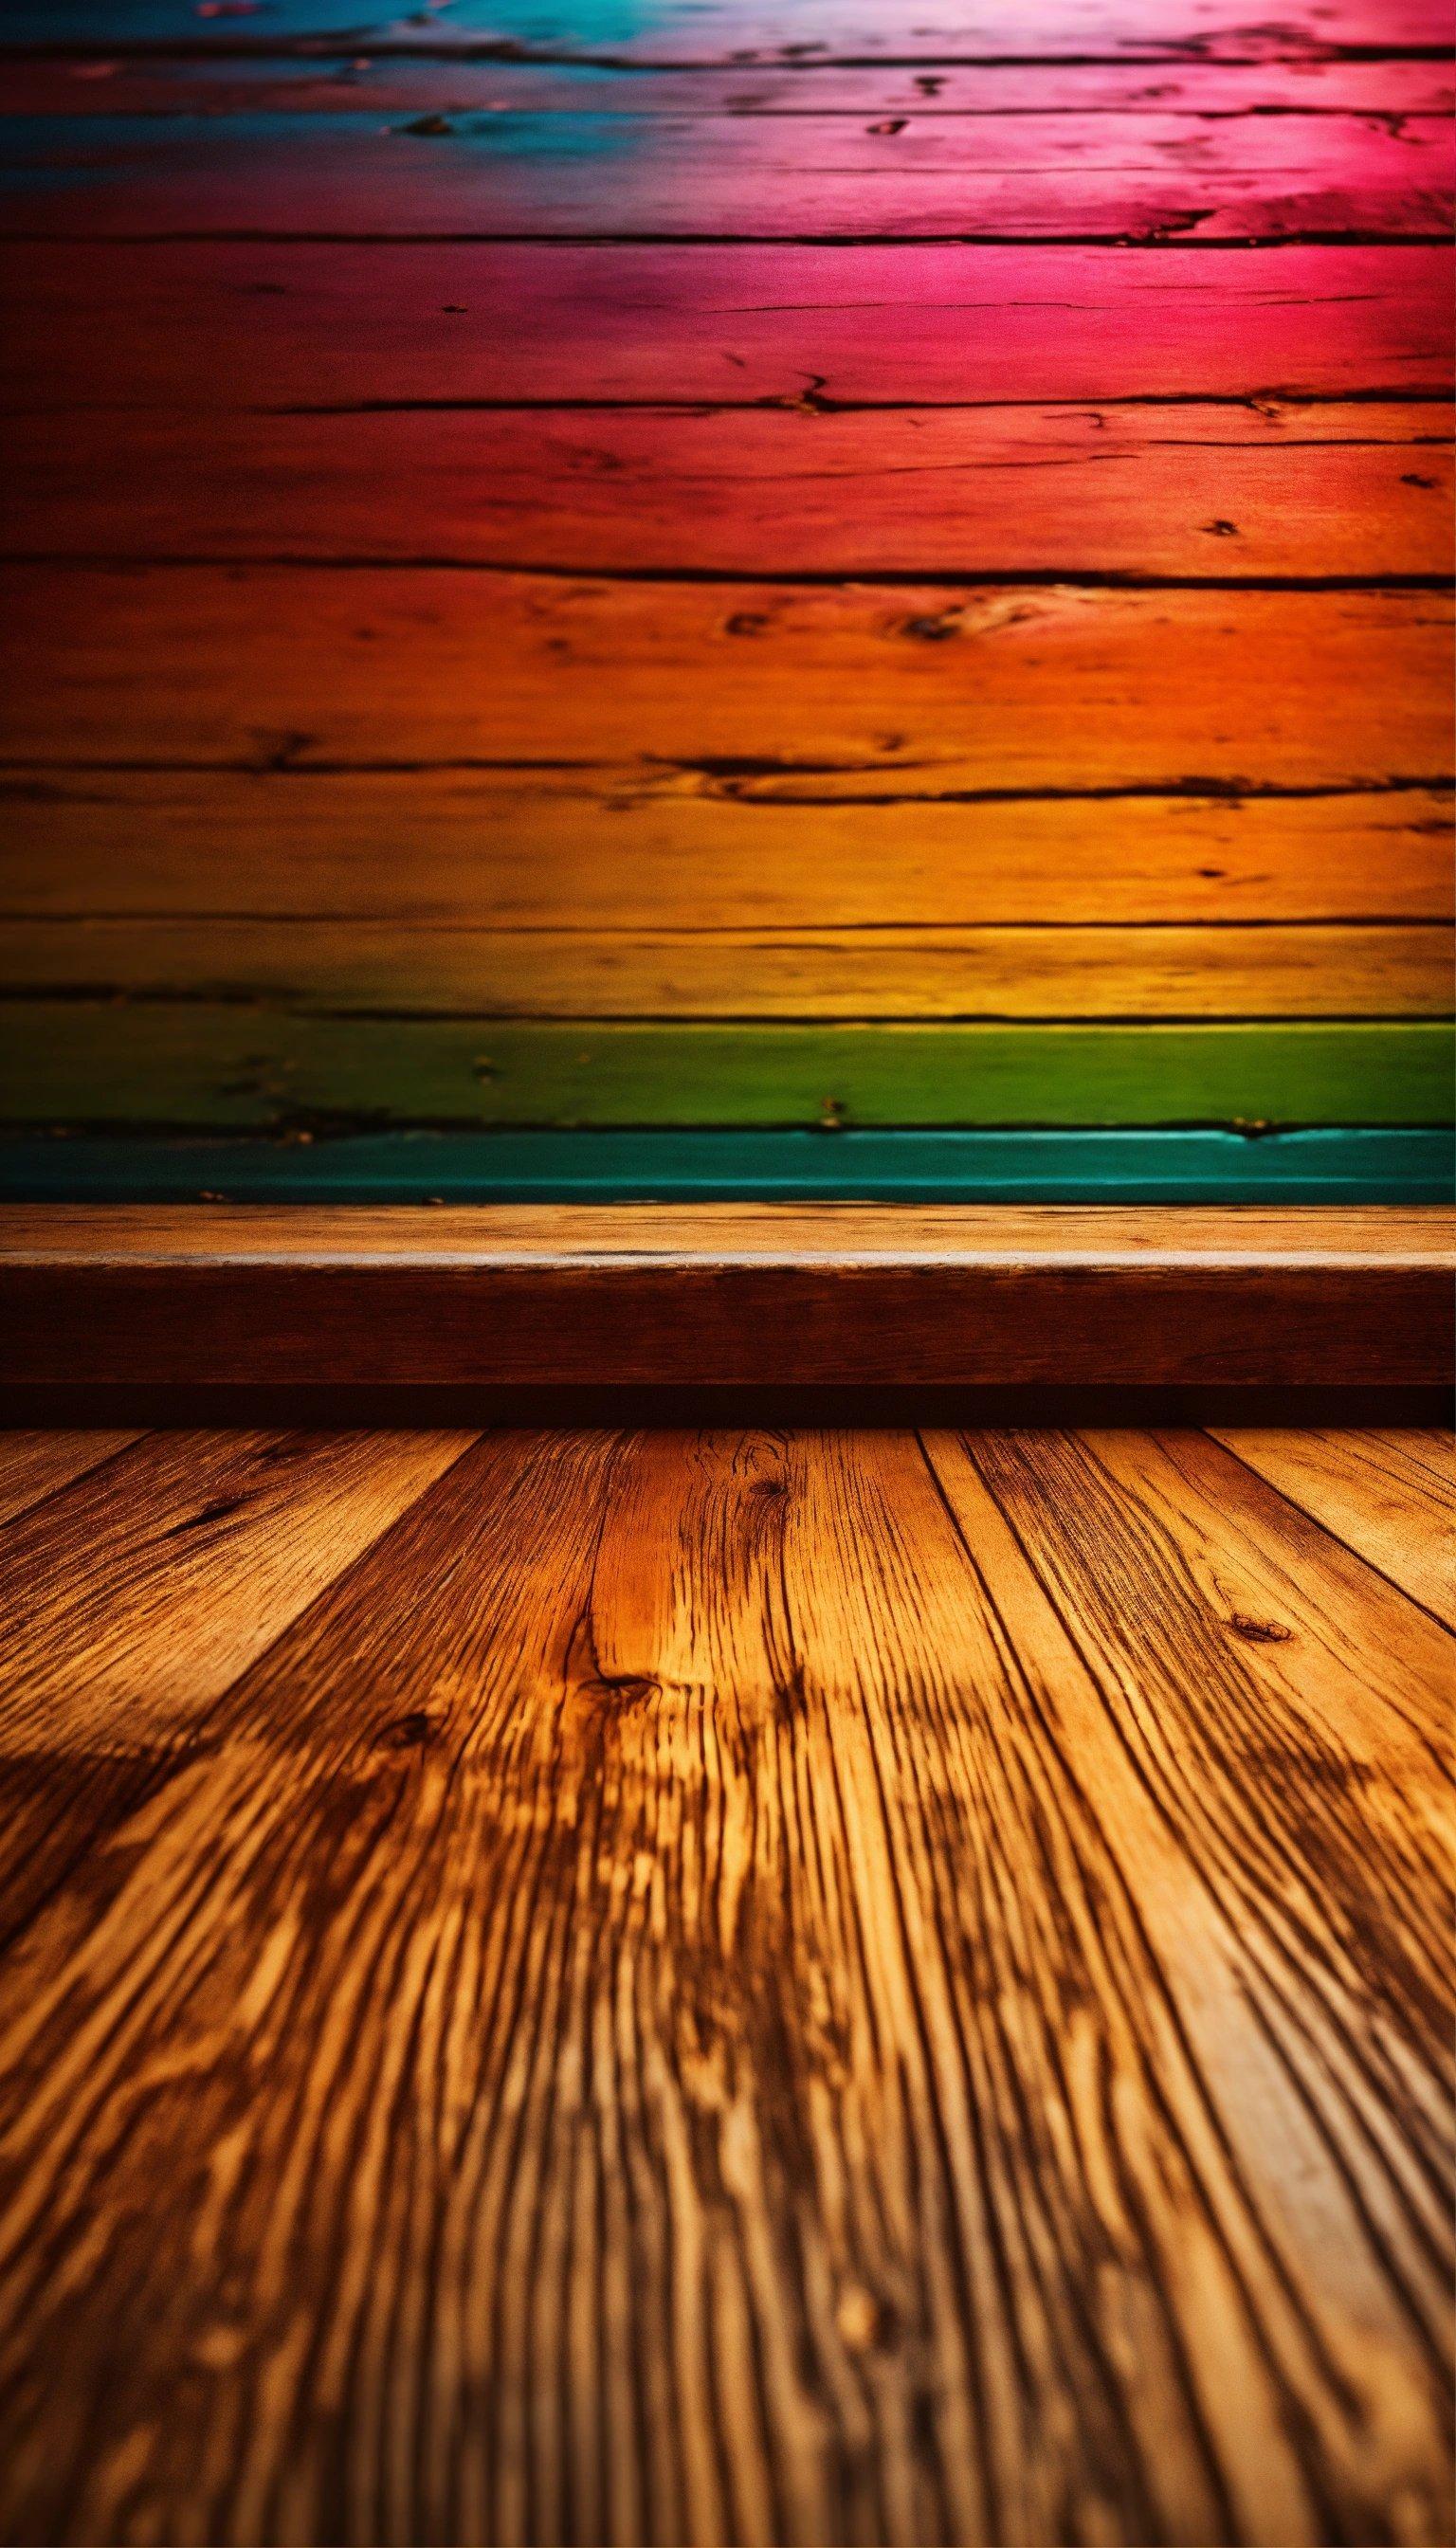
<point>396,82</point>
<point>235,1063</point>
<point>914,324</point>
<point>1345,1165</point>
<point>722,1293</point>
<point>985,688</point>
<point>1139,177</point>
<point>745,30</point>
<point>1193,491</point>
<point>494,970</point>
<point>634,849</point>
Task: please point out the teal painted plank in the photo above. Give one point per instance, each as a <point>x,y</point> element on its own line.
<point>1396,1166</point>
<point>238,1066</point>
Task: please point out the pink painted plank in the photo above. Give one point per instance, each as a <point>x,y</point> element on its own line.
<point>1141,178</point>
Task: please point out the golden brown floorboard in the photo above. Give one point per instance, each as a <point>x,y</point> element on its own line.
<point>33,1464</point>
<point>811,1987</point>
<point>1387,1491</point>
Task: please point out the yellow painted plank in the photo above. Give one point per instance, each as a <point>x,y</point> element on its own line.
<point>1221,971</point>
<point>644,848</point>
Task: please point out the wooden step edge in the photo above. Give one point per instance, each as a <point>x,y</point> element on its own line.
<point>726,1296</point>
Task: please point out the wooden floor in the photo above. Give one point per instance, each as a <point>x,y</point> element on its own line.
<point>707,1986</point>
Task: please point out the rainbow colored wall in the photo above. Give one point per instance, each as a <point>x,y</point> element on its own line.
<point>692,598</point>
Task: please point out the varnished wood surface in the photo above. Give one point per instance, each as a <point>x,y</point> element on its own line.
<point>33,1465</point>
<point>1390,1494</point>
<point>785,1987</point>
<point>718,1294</point>
<point>1239,1237</point>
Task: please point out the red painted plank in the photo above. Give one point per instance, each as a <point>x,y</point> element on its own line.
<point>1190,491</point>
<point>270,325</point>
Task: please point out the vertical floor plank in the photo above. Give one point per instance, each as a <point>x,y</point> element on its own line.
<point>35,1464</point>
<point>1389,1493</point>
<point>135,1594</point>
<point>135,1597</point>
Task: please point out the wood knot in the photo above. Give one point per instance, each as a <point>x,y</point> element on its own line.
<point>932,629</point>
<point>1260,1632</point>
<point>865,2324</point>
<point>407,1733</point>
<point>222,1509</point>
<point>630,1689</point>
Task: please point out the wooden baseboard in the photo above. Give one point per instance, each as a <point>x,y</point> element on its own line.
<point>715,1295</point>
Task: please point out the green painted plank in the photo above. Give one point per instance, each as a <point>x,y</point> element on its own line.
<point>195,1063</point>
<point>1368,1166</point>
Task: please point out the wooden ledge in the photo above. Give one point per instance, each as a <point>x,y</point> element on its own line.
<point>725,1295</point>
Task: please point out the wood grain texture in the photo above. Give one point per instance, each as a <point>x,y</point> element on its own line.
<point>742,1986</point>
<point>648,848</point>
<point>485,969</point>
<point>664,455</point>
<point>1389,1496</point>
<point>985,687</point>
<point>911,325</point>
<point>724,1295</point>
<point>1198,493</point>
<point>743,31</point>
<point>234,1063</point>
<point>1343,1165</point>
<point>398,82</point>
<point>33,1465</point>
<point>195,1553</point>
<point>133,1597</point>
<point>1062,176</point>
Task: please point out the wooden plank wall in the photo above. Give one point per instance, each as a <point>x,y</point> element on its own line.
<point>648,564</point>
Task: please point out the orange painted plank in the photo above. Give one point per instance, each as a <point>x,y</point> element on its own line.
<point>985,687</point>
<point>221,324</point>
<point>1190,491</point>
<point>642,848</point>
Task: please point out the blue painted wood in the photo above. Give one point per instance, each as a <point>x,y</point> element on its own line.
<point>1360,1165</point>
